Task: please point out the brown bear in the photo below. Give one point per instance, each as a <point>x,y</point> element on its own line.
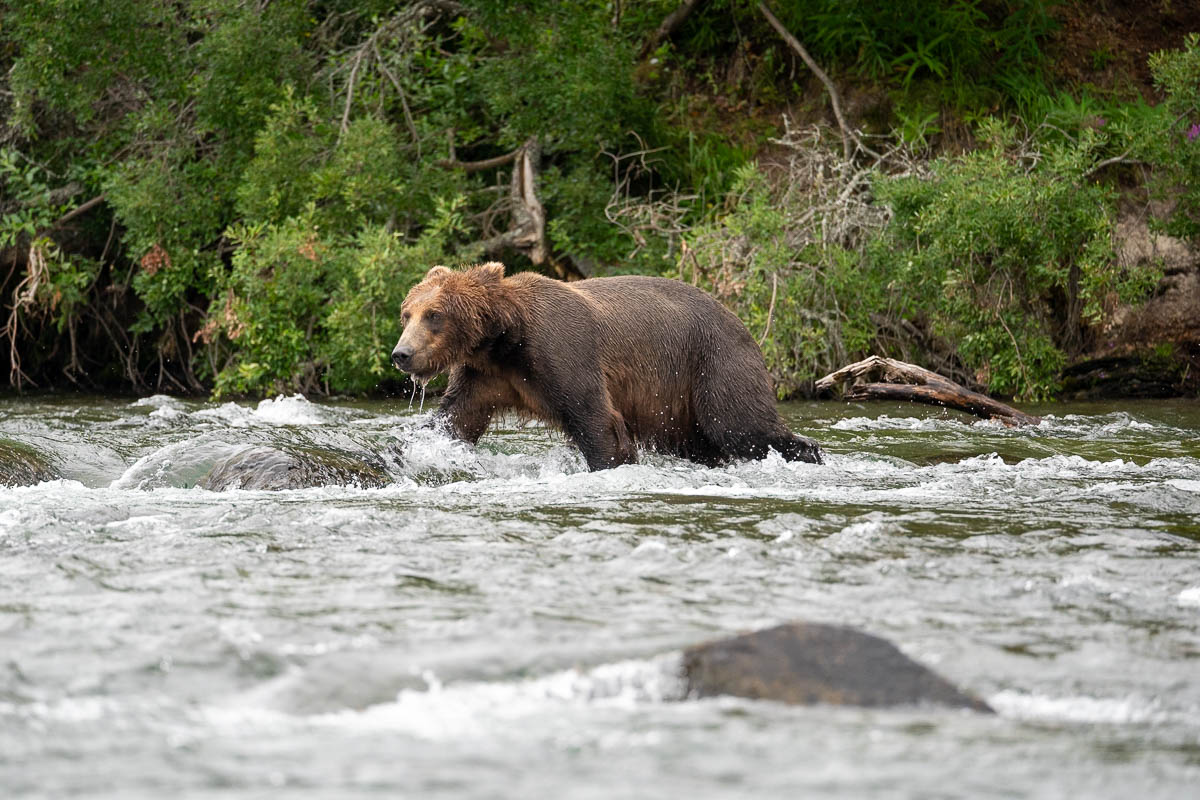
<point>610,361</point>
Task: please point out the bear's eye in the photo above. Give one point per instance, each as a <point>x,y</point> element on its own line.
<point>433,318</point>
<point>404,318</point>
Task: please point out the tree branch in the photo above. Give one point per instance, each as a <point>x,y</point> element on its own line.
<point>358,59</point>
<point>668,26</point>
<point>876,378</point>
<point>770,309</point>
<point>408,117</point>
<point>75,212</point>
<point>477,166</point>
<point>834,97</point>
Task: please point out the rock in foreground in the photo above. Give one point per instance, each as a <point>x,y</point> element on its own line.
<point>805,664</point>
<point>271,468</point>
<point>22,465</point>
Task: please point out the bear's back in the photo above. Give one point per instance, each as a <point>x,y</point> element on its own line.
<point>671,306</point>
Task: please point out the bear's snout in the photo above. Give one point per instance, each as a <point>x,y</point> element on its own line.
<point>402,357</point>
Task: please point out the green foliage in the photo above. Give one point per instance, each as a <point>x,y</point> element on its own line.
<point>1004,253</point>
<point>275,175</point>
<point>809,302</point>
<point>362,323</point>
<point>28,186</point>
<point>62,283</point>
<point>1174,143</point>
<point>301,306</point>
<point>575,203</point>
<point>971,51</point>
<point>1008,262</point>
<point>277,292</point>
<point>572,71</point>
<point>73,54</point>
<point>298,161</point>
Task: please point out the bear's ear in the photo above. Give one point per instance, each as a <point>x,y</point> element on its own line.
<point>437,274</point>
<point>489,272</point>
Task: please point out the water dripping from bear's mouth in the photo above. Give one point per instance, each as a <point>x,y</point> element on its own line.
<point>424,383</point>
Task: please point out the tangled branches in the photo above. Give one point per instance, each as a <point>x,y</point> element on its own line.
<point>393,36</point>
<point>24,300</point>
<point>650,213</point>
<point>788,254</point>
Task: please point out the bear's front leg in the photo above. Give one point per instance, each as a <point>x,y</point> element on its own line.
<point>470,402</point>
<point>596,429</point>
<point>570,392</point>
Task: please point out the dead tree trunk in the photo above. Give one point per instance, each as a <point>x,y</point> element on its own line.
<point>878,378</point>
<point>527,226</point>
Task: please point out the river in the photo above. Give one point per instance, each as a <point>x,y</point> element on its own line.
<point>498,622</point>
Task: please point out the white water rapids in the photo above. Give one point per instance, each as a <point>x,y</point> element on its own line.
<point>498,622</point>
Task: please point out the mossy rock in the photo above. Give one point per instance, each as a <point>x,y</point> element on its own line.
<point>265,467</point>
<point>22,465</point>
<point>807,664</point>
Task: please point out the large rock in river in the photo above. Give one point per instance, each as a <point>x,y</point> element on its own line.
<point>22,465</point>
<point>805,664</point>
<point>265,467</point>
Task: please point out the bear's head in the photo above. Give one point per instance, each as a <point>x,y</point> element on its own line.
<point>447,318</point>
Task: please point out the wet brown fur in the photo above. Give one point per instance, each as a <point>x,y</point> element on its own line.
<point>611,361</point>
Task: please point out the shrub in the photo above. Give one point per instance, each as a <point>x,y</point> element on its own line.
<point>1008,252</point>
<point>305,310</point>
<point>784,255</point>
<point>1173,145</point>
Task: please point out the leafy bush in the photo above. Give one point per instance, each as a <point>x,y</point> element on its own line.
<point>973,53</point>
<point>785,255</point>
<point>1173,144</point>
<point>302,310</point>
<point>1009,254</point>
<point>268,178</point>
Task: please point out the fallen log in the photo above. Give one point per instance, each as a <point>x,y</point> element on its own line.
<point>877,378</point>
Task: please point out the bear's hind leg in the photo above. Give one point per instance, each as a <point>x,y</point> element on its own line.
<point>794,447</point>
<point>750,444</point>
<point>735,409</point>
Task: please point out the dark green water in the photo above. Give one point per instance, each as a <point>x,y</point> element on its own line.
<point>499,623</point>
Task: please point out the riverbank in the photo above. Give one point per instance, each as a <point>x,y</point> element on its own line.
<point>948,183</point>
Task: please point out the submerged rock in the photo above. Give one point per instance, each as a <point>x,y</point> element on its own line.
<point>805,664</point>
<point>22,465</point>
<point>273,468</point>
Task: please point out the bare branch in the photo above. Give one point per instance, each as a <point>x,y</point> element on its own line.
<point>876,378</point>
<point>358,59</point>
<point>770,309</point>
<point>656,213</point>
<point>834,97</point>
<point>75,212</point>
<point>478,166</point>
<point>408,117</point>
<point>527,217</point>
<point>396,27</point>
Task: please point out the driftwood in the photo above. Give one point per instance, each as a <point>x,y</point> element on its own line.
<point>878,378</point>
